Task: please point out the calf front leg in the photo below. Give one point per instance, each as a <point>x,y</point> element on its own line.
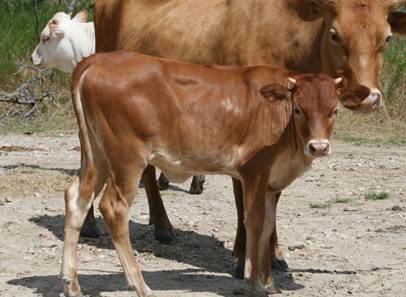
<point>158,216</point>
<point>254,188</point>
<point>196,187</point>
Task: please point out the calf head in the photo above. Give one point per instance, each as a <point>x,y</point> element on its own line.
<point>58,47</point>
<point>315,100</point>
<point>356,33</point>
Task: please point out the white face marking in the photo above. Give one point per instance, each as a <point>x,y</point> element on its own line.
<point>228,106</point>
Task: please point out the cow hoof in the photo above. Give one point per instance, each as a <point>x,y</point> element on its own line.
<point>239,271</point>
<point>271,290</point>
<point>196,189</point>
<point>90,230</point>
<point>163,183</point>
<point>165,236</point>
<point>279,263</point>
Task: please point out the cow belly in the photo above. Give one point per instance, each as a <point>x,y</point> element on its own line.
<point>180,169</point>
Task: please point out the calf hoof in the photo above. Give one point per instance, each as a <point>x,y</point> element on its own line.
<point>279,263</point>
<point>90,230</point>
<point>164,236</point>
<point>271,290</point>
<point>239,271</point>
<point>70,289</point>
<point>163,182</point>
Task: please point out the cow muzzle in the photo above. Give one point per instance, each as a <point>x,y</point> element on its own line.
<point>374,101</point>
<point>318,148</point>
<point>36,60</point>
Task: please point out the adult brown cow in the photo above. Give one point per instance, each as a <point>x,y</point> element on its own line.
<point>262,125</point>
<point>339,38</point>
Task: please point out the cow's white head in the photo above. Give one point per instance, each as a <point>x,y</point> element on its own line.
<point>64,42</point>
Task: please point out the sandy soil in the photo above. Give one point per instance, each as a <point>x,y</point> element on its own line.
<point>356,247</point>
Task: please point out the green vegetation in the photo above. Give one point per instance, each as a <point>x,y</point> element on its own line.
<point>374,196</point>
<point>330,203</point>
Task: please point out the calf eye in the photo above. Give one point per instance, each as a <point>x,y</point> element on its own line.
<point>335,113</point>
<point>296,110</point>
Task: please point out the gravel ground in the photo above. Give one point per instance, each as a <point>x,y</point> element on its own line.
<point>337,242</point>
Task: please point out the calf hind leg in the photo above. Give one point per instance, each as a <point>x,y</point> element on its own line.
<point>114,207</point>
<point>196,187</point>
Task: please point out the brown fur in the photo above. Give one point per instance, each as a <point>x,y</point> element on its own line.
<point>135,110</point>
<point>291,33</point>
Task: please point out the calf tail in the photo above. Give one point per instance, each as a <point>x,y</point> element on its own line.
<point>87,160</point>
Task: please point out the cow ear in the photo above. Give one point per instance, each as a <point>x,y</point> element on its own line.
<point>55,29</point>
<point>81,16</point>
<point>397,21</point>
<point>275,92</point>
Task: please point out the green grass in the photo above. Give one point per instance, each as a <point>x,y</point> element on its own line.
<point>329,203</point>
<point>376,196</point>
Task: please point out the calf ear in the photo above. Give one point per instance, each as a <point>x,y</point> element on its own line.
<point>397,21</point>
<point>275,92</point>
<point>55,29</point>
<point>81,16</point>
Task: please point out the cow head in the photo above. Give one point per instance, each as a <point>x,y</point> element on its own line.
<point>356,33</point>
<point>315,100</point>
<point>55,48</point>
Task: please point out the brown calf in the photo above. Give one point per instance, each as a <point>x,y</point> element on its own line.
<point>261,125</point>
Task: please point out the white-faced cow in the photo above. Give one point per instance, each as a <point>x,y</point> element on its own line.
<point>337,37</point>
<point>64,42</point>
<point>267,125</point>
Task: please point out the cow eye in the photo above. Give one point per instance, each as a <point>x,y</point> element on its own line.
<point>296,110</point>
<point>389,39</point>
<point>334,35</point>
<point>45,39</point>
<point>335,112</point>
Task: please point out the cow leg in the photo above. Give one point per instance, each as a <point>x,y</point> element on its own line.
<point>163,182</point>
<point>89,228</point>
<point>114,206</point>
<point>158,216</point>
<point>254,205</point>
<point>240,239</point>
<point>278,262</point>
<point>79,197</point>
<point>196,187</point>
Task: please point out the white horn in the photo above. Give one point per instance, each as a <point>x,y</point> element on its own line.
<point>338,80</point>
<point>292,80</point>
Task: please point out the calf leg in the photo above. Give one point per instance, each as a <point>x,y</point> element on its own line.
<point>79,197</point>
<point>158,216</point>
<point>254,206</point>
<point>278,262</point>
<point>196,187</point>
<point>114,206</point>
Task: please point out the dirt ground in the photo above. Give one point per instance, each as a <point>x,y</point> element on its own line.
<point>337,242</point>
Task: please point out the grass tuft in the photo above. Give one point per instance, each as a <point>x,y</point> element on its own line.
<point>375,196</point>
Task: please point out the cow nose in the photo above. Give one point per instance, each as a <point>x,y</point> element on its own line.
<point>319,148</point>
<point>374,100</point>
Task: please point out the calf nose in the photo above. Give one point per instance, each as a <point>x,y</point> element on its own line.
<point>319,148</point>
